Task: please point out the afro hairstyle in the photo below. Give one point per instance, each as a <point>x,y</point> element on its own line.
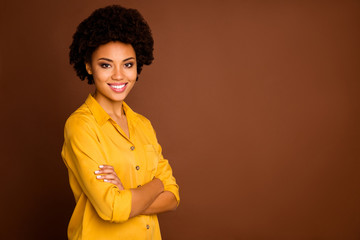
<point>104,25</point>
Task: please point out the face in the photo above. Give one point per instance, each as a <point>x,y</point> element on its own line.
<point>113,66</point>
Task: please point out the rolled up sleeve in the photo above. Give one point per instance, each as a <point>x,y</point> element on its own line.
<point>164,171</point>
<point>165,174</point>
<point>83,154</point>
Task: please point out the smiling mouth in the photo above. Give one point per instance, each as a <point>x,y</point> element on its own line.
<point>117,86</point>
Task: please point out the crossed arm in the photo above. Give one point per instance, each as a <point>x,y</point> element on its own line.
<point>147,199</point>
<point>82,151</point>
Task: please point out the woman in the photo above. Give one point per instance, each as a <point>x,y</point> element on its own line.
<point>117,173</point>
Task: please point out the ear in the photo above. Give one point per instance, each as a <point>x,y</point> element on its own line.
<point>88,68</point>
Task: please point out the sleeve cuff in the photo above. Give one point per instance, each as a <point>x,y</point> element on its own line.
<point>122,206</point>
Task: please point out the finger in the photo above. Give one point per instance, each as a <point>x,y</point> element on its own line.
<point>110,178</point>
<point>105,171</point>
<point>111,181</point>
<point>107,176</point>
<point>106,166</point>
<point>118,184</point>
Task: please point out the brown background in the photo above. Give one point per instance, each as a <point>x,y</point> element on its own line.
<point>256,104</point>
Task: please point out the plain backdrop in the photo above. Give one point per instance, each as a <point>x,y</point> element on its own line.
<point>255,103</point>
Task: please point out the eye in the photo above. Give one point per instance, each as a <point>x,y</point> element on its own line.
<point>105,65</point>
<point>128,65</point>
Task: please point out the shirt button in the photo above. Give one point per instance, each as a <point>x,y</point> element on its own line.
<point>132,148</point>
<point>137,167</point>
<point>147,226</point>
<point>139,186</point>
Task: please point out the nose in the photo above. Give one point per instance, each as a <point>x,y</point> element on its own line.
<point>117,74</point>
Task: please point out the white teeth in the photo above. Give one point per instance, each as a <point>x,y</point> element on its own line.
<point>118,86</point>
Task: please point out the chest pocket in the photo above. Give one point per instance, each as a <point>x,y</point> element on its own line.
<point>152,159</point>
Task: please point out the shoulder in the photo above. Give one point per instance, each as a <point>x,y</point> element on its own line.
<point>80,120</point>
<point>143,122</point>
<point>137,118</point>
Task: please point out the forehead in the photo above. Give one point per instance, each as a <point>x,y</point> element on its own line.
<point>114,51</point>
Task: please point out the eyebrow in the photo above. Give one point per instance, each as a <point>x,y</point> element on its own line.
<point>107,59</point>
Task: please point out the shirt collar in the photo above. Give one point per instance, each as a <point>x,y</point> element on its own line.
<point>99,113</point>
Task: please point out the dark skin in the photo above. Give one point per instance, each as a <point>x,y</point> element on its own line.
<point>113,66</point>
<point>147,199</point>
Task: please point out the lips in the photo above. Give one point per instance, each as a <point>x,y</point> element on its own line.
<point>117,87</point>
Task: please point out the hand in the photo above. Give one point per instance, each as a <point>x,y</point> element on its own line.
<point>107,174</point>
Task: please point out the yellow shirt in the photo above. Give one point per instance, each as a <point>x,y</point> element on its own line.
<point>102,211</point>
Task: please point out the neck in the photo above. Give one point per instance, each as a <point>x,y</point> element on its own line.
<point>114,109</point>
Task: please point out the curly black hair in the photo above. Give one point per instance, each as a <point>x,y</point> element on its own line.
<point>112,23</point>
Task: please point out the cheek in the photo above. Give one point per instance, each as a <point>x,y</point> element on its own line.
<point>101,76</point>
<point>133,74</point>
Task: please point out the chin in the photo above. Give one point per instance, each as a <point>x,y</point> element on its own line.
<point>117,99</point>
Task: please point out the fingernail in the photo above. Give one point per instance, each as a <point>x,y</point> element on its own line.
<point>101,166</point>
<point>97,172</point>
<point>105,180</point>
<point>98,176</point>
